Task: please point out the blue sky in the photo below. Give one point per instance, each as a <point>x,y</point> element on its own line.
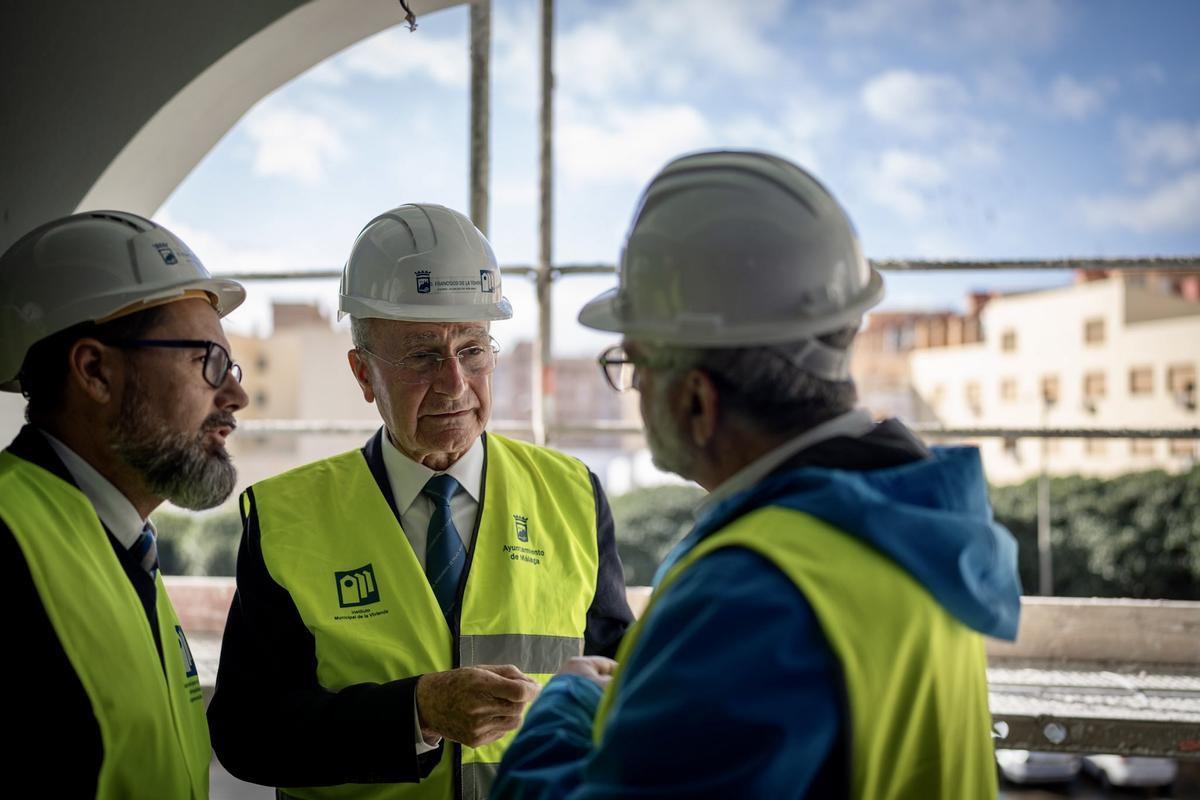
<point>968,129</point>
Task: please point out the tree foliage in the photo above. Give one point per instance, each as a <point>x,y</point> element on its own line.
<point>1137,535</point>
<point>649,523</point>
<point>198,544</point>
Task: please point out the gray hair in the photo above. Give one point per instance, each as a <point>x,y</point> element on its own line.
<point>360,332</point>
<point>762,386</point>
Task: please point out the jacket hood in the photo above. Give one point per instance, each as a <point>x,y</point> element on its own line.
<point>931,516</point>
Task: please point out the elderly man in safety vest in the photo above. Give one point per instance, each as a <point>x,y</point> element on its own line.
<point>818,633</point>
<point>109,326</point>
<point>399,605</point>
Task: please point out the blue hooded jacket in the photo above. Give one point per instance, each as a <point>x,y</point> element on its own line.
<point>732,690</point>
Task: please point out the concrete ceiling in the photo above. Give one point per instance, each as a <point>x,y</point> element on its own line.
<point>110,105</point>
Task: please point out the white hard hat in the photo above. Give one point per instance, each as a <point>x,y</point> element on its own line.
<point>91,267</point>
<point>422,263</point>
<point>733,249</point>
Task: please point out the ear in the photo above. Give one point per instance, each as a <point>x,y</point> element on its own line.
<point>94,369</point>
<point>701,406</point>
<point>358,366</point>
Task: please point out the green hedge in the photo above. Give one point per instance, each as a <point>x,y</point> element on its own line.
<point>205,543</point>
<point>1137,535</point>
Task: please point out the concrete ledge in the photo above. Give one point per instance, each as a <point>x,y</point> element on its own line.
<point>1052,628</point>
<point>1104,630</point>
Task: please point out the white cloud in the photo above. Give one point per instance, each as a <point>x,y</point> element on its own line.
<point>1173,143</point>
<point>292,143</point>
<point>622,48</point>
<point>219,256</point>
<point>901,180</point>
<point>922,104</point>
<point>1073,99</point>
<point>951,26</point>
<point>1150,73</point>
<point>1173,206</point>
<point>628,144</point>
<point>396,54</point>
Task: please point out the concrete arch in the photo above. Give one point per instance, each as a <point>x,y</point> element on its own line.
<point>112,104</point>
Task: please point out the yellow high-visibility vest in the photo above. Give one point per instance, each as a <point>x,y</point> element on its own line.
<point>150,712</point>
<point>331,540</point>
<point>915,676</point>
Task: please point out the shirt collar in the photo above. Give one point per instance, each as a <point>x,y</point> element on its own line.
<point>854,424</point>
<point>408,478</point>
<point>113,508</point>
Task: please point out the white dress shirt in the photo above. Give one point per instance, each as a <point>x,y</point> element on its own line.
<point>407,478</point>
<point>113,508</point>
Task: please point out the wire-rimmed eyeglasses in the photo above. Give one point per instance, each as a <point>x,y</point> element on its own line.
<point>620,371</point>
<point>422,367</point>
<point>217,361</point>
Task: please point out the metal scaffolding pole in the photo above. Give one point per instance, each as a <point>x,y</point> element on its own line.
<point>481,112</point>
<point>542,393</point>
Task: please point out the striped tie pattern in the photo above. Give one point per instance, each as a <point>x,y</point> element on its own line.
<point>145,550</point>
<point>445,556</point>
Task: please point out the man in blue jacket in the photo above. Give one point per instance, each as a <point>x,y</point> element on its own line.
<point>819,632</point>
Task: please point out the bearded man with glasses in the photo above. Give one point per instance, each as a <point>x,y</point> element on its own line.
<point>398,606</point>
<point>110,327</point>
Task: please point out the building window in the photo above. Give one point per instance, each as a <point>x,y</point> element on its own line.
<point>1141,447</point>
<point>1008,341</point>
<point>974,398</point>
<point>1141,381</point>
<point>1093,331</point>
<point>1053,446</point>
<point>937,397</point>
<point>1181,383</point>
<point>1095,447</point>
<point>261,362</point>
<point>1008,390</point>
<point>1093,389</point>
<point>1183,447</point>
<point>260,399</point>
<point>1050,390</point>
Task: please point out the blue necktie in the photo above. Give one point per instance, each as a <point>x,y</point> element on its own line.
<point>145,550</point>
<point>445,556</point>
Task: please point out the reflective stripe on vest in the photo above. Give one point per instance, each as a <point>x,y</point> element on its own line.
<point>152,727</point>
<point>915,676</point>
<point>331,540</point>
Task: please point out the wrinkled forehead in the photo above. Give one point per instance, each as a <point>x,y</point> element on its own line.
<point>398,334</point>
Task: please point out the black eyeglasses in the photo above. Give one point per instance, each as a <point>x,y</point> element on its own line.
<point>217,362</point>
<point>619,369</point>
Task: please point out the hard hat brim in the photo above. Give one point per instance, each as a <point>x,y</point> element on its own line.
<point>604,313</point>
<point>407,312</point>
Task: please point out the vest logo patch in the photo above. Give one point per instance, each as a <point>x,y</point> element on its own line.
<point>189,663</point>
<point>191,677</point>
<point>515,552</point>
<point>357,587</point>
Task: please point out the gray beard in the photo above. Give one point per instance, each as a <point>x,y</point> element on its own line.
<point>175,466</point>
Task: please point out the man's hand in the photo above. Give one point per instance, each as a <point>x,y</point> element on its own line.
<point>473,705</point>
<point>597,669</point>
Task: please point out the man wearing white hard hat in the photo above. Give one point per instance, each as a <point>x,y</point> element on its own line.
<point>110,327</point>
<point>819,632</point>
<point>399,605</point>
